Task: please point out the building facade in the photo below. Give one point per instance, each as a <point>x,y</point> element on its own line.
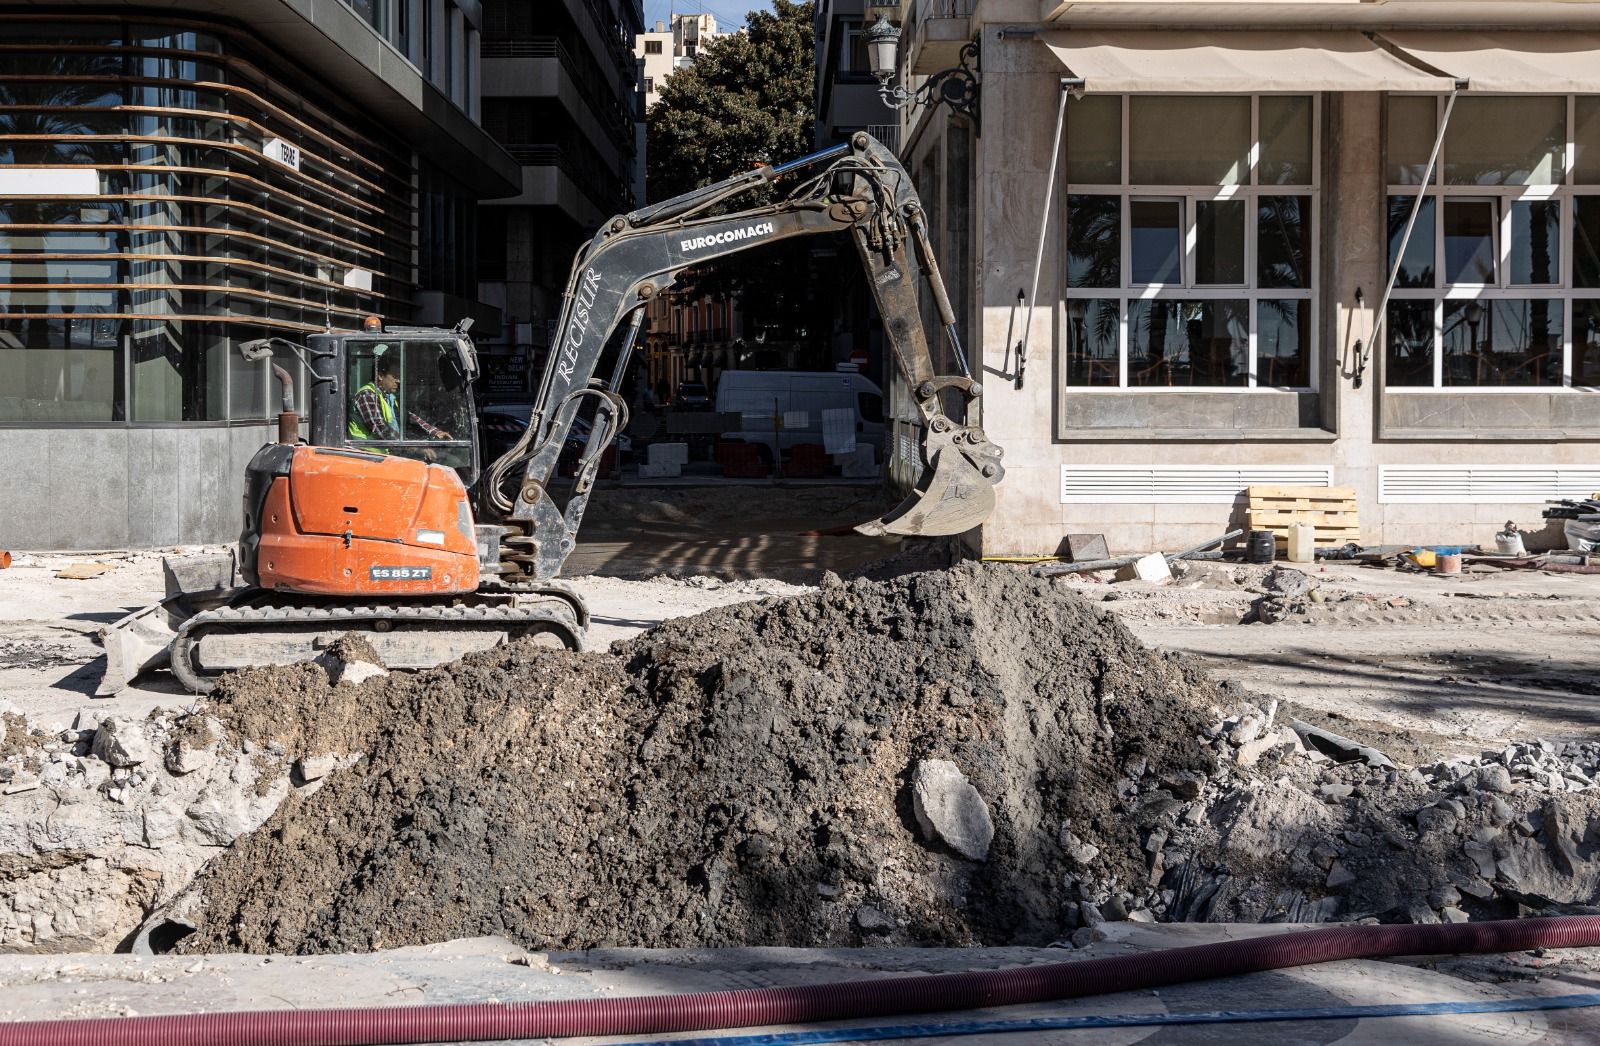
<point>1320,243</point>
<point>847,93</point>
<point>560,93</point>
<point>669,47</point>
<point>173,183</point>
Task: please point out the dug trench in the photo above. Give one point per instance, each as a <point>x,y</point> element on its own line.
<point>953,757</point>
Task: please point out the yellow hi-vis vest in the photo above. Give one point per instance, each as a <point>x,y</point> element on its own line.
<point>385,407</point>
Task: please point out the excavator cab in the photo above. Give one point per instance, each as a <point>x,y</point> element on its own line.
<point>404,391</point>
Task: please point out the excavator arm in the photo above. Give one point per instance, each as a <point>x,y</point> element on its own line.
<point>860,188</point>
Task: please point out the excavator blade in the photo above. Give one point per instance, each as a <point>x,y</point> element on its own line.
<point>951,498</point>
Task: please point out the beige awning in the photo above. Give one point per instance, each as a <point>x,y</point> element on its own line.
<point>1223,62</point>
<point>1535,63</point>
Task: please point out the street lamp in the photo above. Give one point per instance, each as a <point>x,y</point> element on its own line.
<point>957,88</point>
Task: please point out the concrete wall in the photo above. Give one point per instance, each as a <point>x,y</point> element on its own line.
<point>125,487</point>
<point>1352,431</point>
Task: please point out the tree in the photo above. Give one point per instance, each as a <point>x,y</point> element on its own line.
<point>746,100</point>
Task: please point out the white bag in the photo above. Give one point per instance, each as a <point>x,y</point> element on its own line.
<point>1582,537</point>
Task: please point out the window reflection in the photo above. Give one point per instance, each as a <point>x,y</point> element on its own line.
<point>1502,342</point>
<point>1506,141</point>
<point>1417,266</point>
<point>1197,342</point>
<point>1283,244</point>
<point>1219,242</point>
<point>1283,342</point>
<point>1092,336</point>
<point>85,332</point>
<point>1156,235</point>
<point>1470,228</point>
<point>1586,343</point>
<point>1094,241</point>
<point>1535,241</point>
<point>1408,333</point>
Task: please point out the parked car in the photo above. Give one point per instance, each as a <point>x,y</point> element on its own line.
<point>692,395</point>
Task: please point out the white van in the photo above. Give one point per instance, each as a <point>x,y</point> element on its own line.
<point>770,405</point>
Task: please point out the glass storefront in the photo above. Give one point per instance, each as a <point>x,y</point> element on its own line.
<point>1191,242</point>
<point>166,193</point>
<point>1500,278</point>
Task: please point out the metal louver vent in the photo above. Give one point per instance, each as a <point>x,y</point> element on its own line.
<point>1178,484</point>
<point>1484,484</point>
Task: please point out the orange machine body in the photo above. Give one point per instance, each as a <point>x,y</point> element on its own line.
<point>346,523</point>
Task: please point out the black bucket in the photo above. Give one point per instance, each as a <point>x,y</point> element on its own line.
<point>1261,547</point>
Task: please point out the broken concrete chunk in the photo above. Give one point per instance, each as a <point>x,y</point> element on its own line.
<point>949,810</point>
<point>354,673</point>
<point>1334,791</point>
<point>1288,582</point>
<point>120,741</point>
<point>870,920</point>
<point>21,783</point>
<point>1084,936</point>
<point>316,767</point>
<point>1078,852</point>
<point>1493,778</point>
<point>1251,752</point>
<point>1152,568</point>
<point>1444,896</point>
<point>1339,876</point>
<point>1436,819</point>
<point>1245,730</point>
<point>1482,856</point>
<point>1184,785</point>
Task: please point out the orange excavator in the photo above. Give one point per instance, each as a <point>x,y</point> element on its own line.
<point>369,525</point>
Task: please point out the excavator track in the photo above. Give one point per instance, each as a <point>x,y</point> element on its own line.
<point>404,636</point>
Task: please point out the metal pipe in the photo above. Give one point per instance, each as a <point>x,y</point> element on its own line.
<point>1405,239</point>
<point>1044,225</point>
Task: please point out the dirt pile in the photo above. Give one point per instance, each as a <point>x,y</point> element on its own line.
<point>951,758</point>
<point>741,777</point>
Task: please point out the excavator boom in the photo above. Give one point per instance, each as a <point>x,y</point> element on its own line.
<point>859,188</point>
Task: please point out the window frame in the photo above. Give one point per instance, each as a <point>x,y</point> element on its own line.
<point>1564,193</point>
<point>1249,191</point>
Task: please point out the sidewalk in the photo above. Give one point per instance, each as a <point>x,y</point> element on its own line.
<point>493,969</point>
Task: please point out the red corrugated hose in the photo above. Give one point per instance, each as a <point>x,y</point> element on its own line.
<point>803,1005</point>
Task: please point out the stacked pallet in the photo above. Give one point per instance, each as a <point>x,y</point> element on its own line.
<point>1330,510</point>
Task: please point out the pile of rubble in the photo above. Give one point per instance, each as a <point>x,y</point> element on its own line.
<point>111,817</point>
<point>1283,831</point>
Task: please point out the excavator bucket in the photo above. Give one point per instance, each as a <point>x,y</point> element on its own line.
<point>952,497</point>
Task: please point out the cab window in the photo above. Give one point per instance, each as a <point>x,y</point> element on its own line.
<point>409,397</point>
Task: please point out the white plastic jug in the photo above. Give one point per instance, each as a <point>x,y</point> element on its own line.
<point>1302,543</point>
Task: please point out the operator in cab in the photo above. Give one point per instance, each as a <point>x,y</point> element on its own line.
<point>374,410</point>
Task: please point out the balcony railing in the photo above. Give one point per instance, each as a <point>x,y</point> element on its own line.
<point>926,9</point>
<point>887,133</point>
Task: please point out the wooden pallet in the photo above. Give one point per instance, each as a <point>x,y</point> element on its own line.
<point>1331,510</point>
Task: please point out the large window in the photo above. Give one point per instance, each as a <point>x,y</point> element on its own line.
<point>196,199</point>
<point>1190,241</point>
<point>1499,284</point>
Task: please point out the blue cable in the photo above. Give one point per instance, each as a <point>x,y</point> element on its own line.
<point>1136,1020</point>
